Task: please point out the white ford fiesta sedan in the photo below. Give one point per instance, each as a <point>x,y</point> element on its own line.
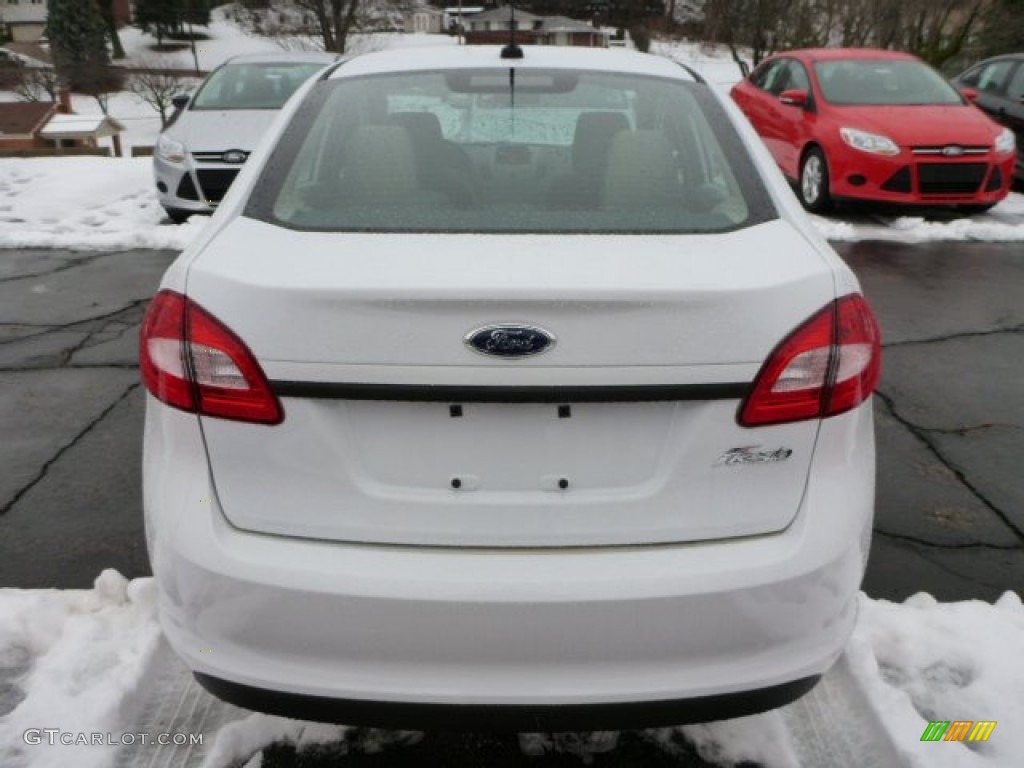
<point>509,391</point>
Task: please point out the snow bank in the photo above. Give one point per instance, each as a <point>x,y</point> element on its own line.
<point>922,660</point>
<point>85,203</point>
<point>84,654</point>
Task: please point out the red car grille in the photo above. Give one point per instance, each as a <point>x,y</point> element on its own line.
<point>950,178</point>
<point>949,150</point>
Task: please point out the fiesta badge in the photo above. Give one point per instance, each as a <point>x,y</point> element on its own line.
<point>509,340</point>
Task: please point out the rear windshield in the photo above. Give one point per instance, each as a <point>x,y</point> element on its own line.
<point>510,151</point>
<point>253,86</point>
<point>883,82</point>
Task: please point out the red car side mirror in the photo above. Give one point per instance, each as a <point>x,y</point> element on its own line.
<point>794,97</point>
<point>970,94</point>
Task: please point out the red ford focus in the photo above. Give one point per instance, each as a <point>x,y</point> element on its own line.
<point>875,125</point>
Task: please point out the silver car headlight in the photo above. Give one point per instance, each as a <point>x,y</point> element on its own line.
<point>170,150</point>
<point>869,142</point>
<point>1006,142</point>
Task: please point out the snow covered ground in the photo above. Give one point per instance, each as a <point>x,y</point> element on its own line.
<point>93,203</point>
<point>81,661</point>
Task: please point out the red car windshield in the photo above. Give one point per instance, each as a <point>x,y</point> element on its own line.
<point>883,82</point>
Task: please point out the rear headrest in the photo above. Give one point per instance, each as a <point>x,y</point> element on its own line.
<point>424,128</point>
<point>641,171</point>
<point>379,163</point>
<point>593,137</point>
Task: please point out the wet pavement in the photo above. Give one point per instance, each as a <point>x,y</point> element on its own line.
<point>950,421</point>
<point>949,417</point>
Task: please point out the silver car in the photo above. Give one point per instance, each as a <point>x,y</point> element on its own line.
<point>205,144</point>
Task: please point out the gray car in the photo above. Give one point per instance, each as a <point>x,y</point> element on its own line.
<point>999,84</point>
<point>205,144</point>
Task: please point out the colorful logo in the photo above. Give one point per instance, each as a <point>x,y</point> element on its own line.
<point>958,730</point>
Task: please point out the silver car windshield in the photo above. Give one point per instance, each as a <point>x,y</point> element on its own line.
<point>508,151</point>
<point>259,85</point>
<point>883,82</point>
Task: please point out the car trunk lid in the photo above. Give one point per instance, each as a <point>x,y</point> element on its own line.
<point>397,432</point>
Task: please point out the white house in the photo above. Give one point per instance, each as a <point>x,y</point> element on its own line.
<point>23,20</point>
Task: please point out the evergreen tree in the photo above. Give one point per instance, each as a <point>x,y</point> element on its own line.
<point>167,18</point>
<point>107,11</point>
<point>78,42</point>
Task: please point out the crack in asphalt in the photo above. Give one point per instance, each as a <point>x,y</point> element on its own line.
<point>71,367</point>
<point>935,545</point>
<point>921,433</point>
<point>72,263</point>
<point>964,431</point>
<point>107,317</point>
<point>45,468</point>
<point>954,337</point>
<point>924,555</point>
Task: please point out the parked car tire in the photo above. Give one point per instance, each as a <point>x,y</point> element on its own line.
<point>177,215</point>
<point>813,185</point>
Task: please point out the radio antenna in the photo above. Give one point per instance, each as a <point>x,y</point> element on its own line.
<point>512,50</point>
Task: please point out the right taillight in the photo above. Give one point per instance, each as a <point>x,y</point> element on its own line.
<point>192,361</point>
<point>828,365</point>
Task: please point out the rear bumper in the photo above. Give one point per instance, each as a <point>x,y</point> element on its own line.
<point>508,717</point>
<point>749,622</point>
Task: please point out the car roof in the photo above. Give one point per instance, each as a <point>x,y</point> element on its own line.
<point>489,57</point>
<point>850,54</point>
<point>285,57</point>
<point>1001,57</point>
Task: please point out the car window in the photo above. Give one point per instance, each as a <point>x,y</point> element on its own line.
<point>883,82</point>
<point>511,151</point>
<point>970,77</point>
<point>992,77</point>
<point>253,85</point>
<point>798,78</point>
<point>1015,90</point>
<point>772,76</point>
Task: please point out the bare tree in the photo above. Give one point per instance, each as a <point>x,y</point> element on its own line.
<point>938,31</point>
<point>157,85</point>
<point>761,26</point>
<point>935,30</point>
<point>334,19</point>
<point>37,84</point>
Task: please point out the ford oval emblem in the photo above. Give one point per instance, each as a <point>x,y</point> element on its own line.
<point>509,340</point>
<point>234,156</point>
<point>953,150</point>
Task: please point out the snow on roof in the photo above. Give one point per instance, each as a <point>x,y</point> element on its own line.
<point>80,126</point>
<point>503,13</point>
<point>565,24</point>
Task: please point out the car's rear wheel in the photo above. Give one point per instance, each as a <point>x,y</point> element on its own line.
<point>813,189</point>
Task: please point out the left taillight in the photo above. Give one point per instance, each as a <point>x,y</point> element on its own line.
<point>190,360</point>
